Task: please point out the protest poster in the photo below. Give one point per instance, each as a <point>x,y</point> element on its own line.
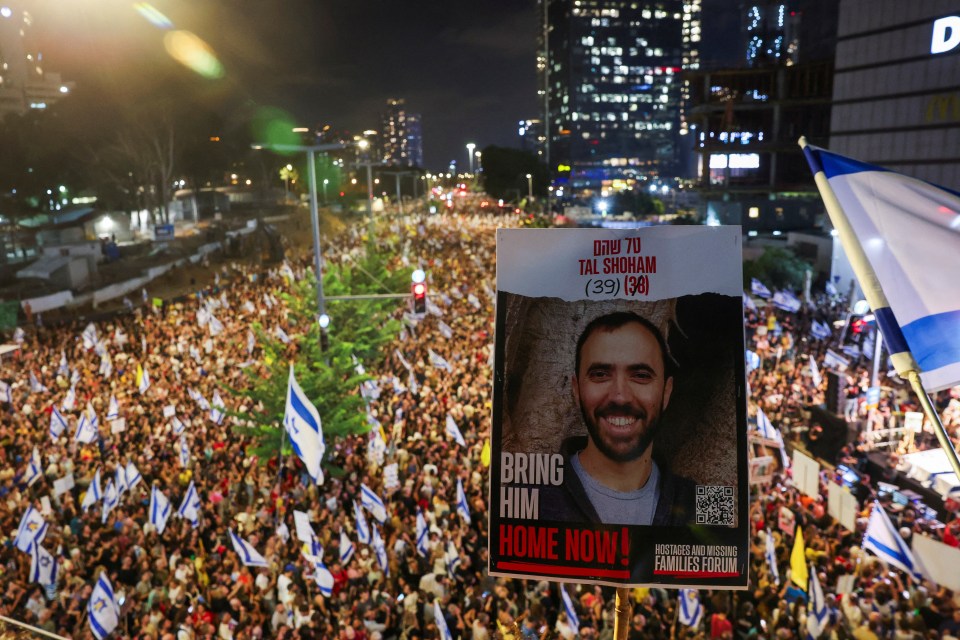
<point>62,485</point>
<point>619,443</point>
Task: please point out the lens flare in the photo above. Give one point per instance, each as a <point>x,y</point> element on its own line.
<point>153,15</point>
<point>193,53</point>
<point>274,126</point>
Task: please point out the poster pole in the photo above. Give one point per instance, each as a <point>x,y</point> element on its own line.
<point>621,625</point>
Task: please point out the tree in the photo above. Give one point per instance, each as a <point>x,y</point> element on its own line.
<point>329,377</point>
<point>505,173</point>
<point>778,268</point>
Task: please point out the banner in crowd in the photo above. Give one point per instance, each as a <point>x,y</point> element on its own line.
<point>619,446</point>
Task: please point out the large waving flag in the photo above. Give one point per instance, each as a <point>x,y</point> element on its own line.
<point>302,422</point>
<point>133,475</point>
<point>786,301</point>
<point>820,330</point>
<point>70,400</point>
<point>248,555</point>
<point>422,535</point>
<point>798,561</point>
<point>817,614</point>
<point>759,289</point>
<point>770,432</point>
<point>373,503</point>
<point>43,566</point>
<point>463,507</point>
<point>32,529</point>
<point>94,492</point>
<point>34,468</point>
<point>159,509</point>
<point>572,618</point>
<point>58,424</point>
<point>771,555</point>
<point>183,451</point>
<point>380,550</point>
<point>346,548</point>
<point>35,385</point>
<point>442,628</point>
<point>883,539</point>
<point>86,430</point>
<point>89,336</point>
<point>363,530</point>
<point>438,361</point>
<point>451,556</point>
<point>903,240</point>
<point>691,611</point>
<point>453,431</point>
<point>121,479</point>
<point>177,426</point>
<point>103,610</point>
<point>190,506</point>
<point>113,410</point>
<point>111,498</point>
<point>217,408</point>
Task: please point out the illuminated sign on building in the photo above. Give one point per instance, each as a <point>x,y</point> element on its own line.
<point>946,34</point>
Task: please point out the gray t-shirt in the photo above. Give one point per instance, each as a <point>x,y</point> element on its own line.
<point>616,507</point>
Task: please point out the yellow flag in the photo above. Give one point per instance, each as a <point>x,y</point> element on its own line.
<point>798,562</point>
<point>139,375</point>
<point>485,454</point>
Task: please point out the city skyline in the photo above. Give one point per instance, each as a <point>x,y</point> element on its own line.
<point>469,72</point>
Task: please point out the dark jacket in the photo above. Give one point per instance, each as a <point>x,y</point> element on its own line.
<point>569,502</point>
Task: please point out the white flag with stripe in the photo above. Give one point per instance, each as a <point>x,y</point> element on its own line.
<point>33,528</point>
<point>346,548</point>
<point>691,611</point>
<point>572,618</point>
<point>190,506</point>
<point>113,410</point>
<point>883,539</point>
<point>363,530</point>
<point>34,468</point>
<point>70,400</point>
<point>94,492</point>
<point>302,422</point>
<point>373,503</point>
<point>817,613</point>
<point>442,627</point>
<point>423,535</point>
<point>380,550</point>
<point>103,612</point>
<point>248,555</point>
<point>463,507</point>
<point>453,431</point>
<point>58,424</point>
<point>43,566</point>
<point>133,475</point>
<point>217,408</point>
<point>159,509</point>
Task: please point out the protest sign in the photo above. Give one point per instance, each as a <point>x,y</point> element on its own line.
<point>619,446</point>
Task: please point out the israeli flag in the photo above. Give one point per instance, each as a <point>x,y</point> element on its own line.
<point>113,410</point>
<point>820,330</point>
<point>463,507</point>
<point>452,558</point>
<point>691,611</point>
<point>35,386</point>
<point>438,361</point>
<point>363,531</point>
<point>121,479</point>
<point>423,535</point>
<point>346,548</point>
<point>380,551</point>
<point>770,432</point>
<point>474,302</point>
<point>882,538</point>
<point>215,326</point>
<point>217,410</point>
<point>111,498</point>
<point>445,329</point>
<point>106,367</point>
<point>752,360</point>
<point>32,529</point>
<point>572,618</point>
<point>43,566</point>
<point>749,304</point>
<point>18,335</point>
<point>177,426</point>
<point>770,554</point>
<point>758,289</point>
<point>248,555</point>
<point>442,628</point>
<point>102,609</point>
<point>282,335</point>
<point>34,468</point>
<point>817,613</point>
<point>64,368</point>
<point>70,400</point>
<point>453,431</point>
<point>190,506</point>
<point>159,509</point>
<point>403,361</point>
<point>323,578</point>
<point>302,526</point>
<point>903,240</point>
<point>89,336</point>
<point>58,424</point>
<point>786,301</point>
<point>184,452</point>
<point>133,475</point>
<point>94,493</point>
<point>86,431</point>
<point>302,422</point>
<point>372,503</point>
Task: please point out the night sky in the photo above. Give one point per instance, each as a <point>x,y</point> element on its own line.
<point>466,67</point>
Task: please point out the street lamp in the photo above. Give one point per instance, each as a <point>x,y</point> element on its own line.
<point>479,166</point>
<point>470,147</point>
<point>529,187</point>
<point>325,183</point>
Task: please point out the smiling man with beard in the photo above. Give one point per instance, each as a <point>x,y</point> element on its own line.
<point>622,382</point>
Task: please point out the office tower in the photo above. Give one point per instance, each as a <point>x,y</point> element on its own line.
<point>401,138</point>
<point>24,83</point>
<point>531,136</point>
<point>611,92</point>
<point>787,32</point>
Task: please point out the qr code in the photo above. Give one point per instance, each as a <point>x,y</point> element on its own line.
<point>715,505</point>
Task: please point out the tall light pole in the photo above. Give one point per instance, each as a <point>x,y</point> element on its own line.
<point>529,188</point>
<point>470,147</point>
<point>311,150</point>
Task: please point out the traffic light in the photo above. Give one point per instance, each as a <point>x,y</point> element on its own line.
<point>419,290</point>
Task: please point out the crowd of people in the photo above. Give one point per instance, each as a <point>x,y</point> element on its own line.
<point>188,583</point>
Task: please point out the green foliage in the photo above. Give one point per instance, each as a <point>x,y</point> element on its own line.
<point>505,173</point>
<point>358,329</point>
<point>638,202</point>
<point>776,268</point>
